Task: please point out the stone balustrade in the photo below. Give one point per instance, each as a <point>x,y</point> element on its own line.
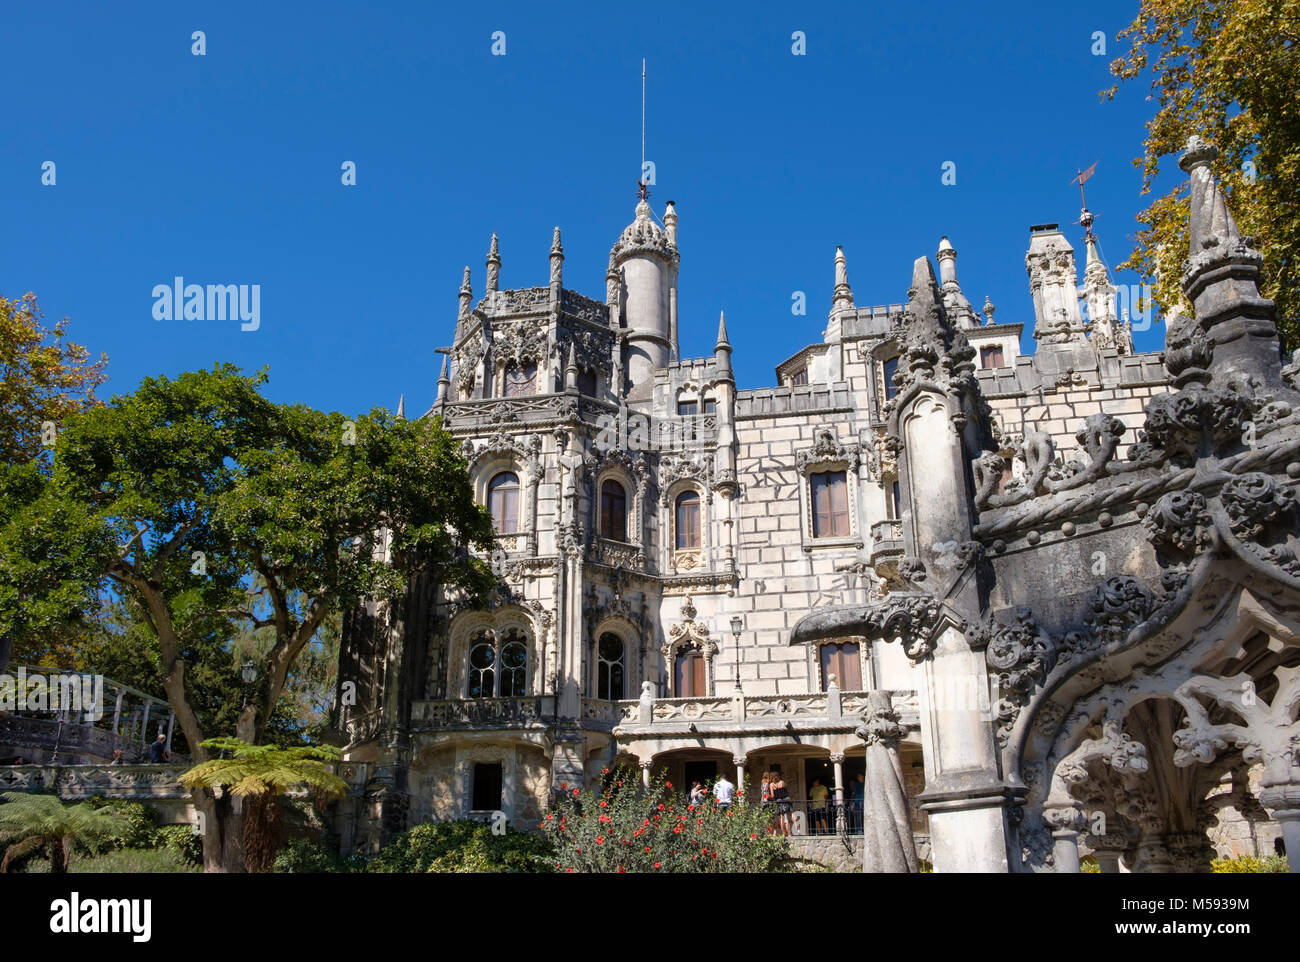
<point>519,712</point>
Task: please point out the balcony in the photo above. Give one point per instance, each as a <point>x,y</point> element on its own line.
<point>886,541</point>
<point>527,711</point>
<point>821,711</point>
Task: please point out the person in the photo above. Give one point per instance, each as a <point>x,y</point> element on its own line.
<point>117,757</point>
<point>158,750</point>
<point>857,794</point>
<point>781,799</point>
<point>817,796</point>
<point>697,793</point>
<point>765,790</point>
<point>724,791</point>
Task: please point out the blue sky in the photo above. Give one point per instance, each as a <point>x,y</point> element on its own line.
<point>225,168</point>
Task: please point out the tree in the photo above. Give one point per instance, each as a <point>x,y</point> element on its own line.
<point>35,822</point>
<point>44,377</point>
<point>260,774</point>
<point>1228,70</point>
<point>181,494</point>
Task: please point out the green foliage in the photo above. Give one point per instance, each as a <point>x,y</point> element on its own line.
<point>32,823</point>
<point>139,824</point>
<point>622,827</point>
<point>265,769</point>
<point>463,846</point>
<point>181,842</point>
<point>1227,70</point>
<point>1247,864</point>
<point>282,505</point>
<point>135,861</point>
<point>309,856</point>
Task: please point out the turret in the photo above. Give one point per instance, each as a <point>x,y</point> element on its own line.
<point>466,296</point>
<point>1053,283</point>
<point>645,261</point>
<point>1099,295</point>
<point>959,309</point>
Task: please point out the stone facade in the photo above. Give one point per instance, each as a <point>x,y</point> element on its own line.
<point>702,579</point>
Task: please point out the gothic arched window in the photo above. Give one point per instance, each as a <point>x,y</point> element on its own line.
<point>609,671</point>
<point>482,669</point>
<point>890,368</point>
<point>498,666</point>
<point>514,667</point>
<point>503,502</point>
<point>521,378</point>
<point>613,511</point>
<point>688,520</point>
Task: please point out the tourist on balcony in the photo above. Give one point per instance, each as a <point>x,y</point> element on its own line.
<point>158,750</point>
<point>781,798</point>
<point>857,793</point>
<point>765,790</point>
<point>117,757</point>
<point>817,796</point>
<point>697,794</point>
<point>724,791</point>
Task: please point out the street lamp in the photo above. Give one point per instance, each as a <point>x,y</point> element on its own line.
<point>248,673</point>
<point>737,626</point>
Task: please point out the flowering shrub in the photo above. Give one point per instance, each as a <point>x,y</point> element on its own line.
<point>1249,864</point>
<point>621,826</point>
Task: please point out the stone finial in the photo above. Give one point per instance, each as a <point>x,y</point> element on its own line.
<point>444,382</point>
<point>466,295</point>
<point>401,408</point>
<point>843,296</point>
<point>493,265</point>
<point>722,331</point>
<point>947,258</point>
<point>988,310</point>
<point>670,223</point>
<point>557,260</point>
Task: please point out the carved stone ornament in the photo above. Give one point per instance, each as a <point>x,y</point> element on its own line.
<point>1021,655</point>
<point>519,343</point>
<point>828,449</point>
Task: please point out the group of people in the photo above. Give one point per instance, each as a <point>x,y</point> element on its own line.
<point>775,795</point>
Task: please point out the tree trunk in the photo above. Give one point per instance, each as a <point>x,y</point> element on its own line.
<point>263,832</point>
<point>222,833</point>
<point>60,850</point>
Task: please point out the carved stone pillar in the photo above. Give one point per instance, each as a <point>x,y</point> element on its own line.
<point>739,762</point>
<point>1066,822</point>
<point>841,822</point>
<point>645,773</point>
<point>887,843</point>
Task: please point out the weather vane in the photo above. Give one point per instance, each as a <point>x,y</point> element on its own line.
<point>1085,216</point>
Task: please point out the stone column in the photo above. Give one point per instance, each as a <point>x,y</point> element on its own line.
<point>1065,822</point>
<point>841,823</point>
<point>1283,803</point>
<point>739,761</point>
<point>887,843</point>
<point>645,773</point>
<point>1107,849</point>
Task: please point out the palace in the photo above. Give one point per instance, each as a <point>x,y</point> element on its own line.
<point>1031,607</point>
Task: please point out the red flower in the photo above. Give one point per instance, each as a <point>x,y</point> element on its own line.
<point>620,784</point>
<point>677,830</point>
<point>570,871</point>
<point>620,868</point>
<point>646,822</point>
<point>575,793</point>
<point>752,835</point>
<point>604,804</point>
<point>656,865</point>
<point>661,806</point>
<point>690,808</point>
<point>647,848</point>
<point>563,786</point>
<point>600,839</point>
<point>715,854</point>
<point>668,784</point>
<point>605,771</point>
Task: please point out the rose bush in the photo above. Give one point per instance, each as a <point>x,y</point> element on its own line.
<point>620,826</point>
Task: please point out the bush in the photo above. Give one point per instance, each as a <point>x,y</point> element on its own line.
<point>140,824</point>
<point>133,861</point>
<point>463,846</point>
<point>181,843</point>
<point>1250,864</point>
<point>623,827</point>
<point>308,856</point>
